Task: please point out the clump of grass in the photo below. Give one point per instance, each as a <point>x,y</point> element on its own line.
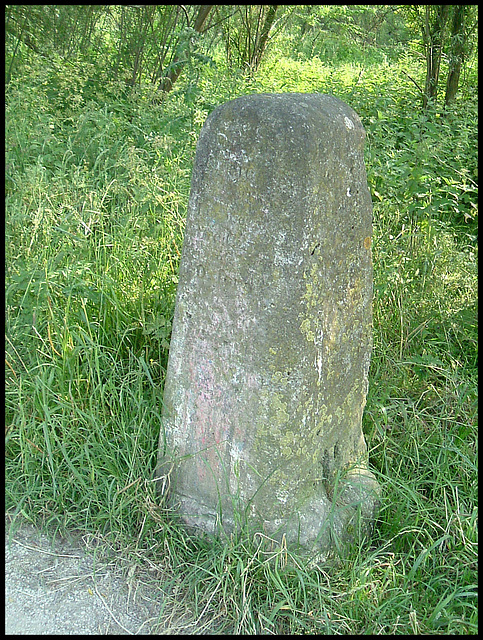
<point>96,192</point>
<point>93,240</point>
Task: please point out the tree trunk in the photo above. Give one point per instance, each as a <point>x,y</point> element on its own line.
<point>457,51</point>
<point>433,40</point>
<point>168,81</point>
<point>262,42</point>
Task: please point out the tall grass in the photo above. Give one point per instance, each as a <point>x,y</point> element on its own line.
<point>96,192</point>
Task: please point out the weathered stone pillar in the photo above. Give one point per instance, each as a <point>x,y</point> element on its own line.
<point>272,334</point>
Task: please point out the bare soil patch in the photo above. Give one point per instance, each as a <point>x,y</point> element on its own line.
<point>73,586</point>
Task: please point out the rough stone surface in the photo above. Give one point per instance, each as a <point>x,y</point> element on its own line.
<point>272,335</point>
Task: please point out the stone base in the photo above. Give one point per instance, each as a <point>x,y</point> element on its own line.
<point>323,525</point>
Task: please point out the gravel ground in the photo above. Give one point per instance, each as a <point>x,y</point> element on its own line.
<point>57,586</point>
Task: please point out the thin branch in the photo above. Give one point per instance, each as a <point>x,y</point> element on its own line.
<point>413,80</point>
<point>186,14</point>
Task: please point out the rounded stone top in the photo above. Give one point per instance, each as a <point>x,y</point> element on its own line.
<point>286,107</point>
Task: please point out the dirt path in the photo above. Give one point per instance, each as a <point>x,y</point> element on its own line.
<point>57,587</point>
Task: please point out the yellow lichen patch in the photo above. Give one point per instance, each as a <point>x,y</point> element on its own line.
<point>323,419</point>
<point>279,410</point>
<point>309,325</point>
<point>311,287</point>
<point>306,329</point>
<point>355,292</point>
<point>289,445</point>
<point>279,378</point>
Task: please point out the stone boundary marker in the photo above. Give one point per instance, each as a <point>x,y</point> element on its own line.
<point>272,335</point>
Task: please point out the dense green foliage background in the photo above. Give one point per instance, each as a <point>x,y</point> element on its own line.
<point>98,161</point>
